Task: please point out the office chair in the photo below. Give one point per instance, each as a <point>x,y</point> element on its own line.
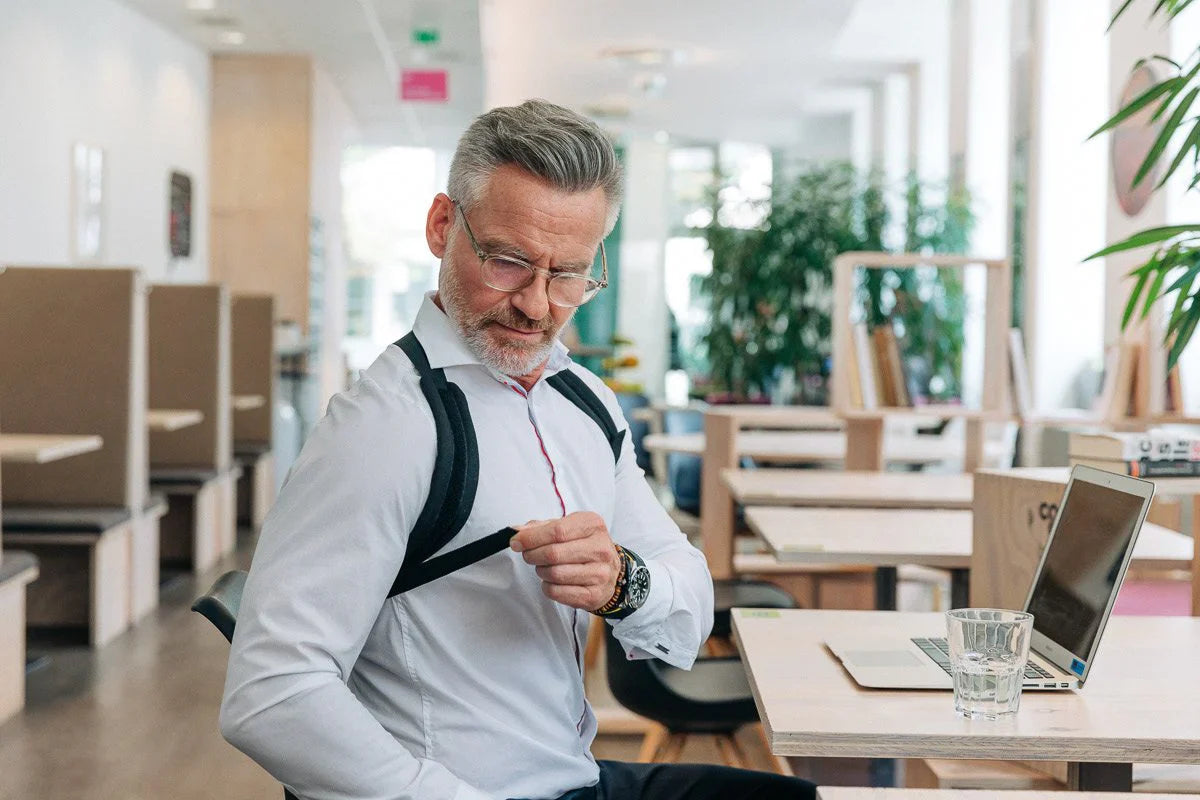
<point>712,698</point>
<point>220,606</point>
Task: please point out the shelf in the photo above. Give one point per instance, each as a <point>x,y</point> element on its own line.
<point>26,448</point>
<point>951,412</point>
<point>161,420</point>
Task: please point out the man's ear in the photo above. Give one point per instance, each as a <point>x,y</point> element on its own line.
<point>438,223</point>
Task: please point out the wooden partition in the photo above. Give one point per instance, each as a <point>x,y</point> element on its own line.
<point>190,368</point>
<point>73,353</point>
<point>253,325</point>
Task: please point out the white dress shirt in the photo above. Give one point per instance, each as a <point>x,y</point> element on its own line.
<point>470,686</point>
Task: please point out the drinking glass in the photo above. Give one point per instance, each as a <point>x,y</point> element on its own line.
<point>989,648</point>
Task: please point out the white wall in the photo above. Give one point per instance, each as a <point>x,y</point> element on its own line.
<point>334,127</point>
<point>1067,196</point>
<point>642,303</point>
<point>99,73</point>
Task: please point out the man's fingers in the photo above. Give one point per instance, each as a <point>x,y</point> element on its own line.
<point>594,574</point>
<point>540,534</point>
<point>580,597</point>
<point>550,555</point>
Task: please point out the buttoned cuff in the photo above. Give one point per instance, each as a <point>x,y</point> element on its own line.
<point>643,633</point>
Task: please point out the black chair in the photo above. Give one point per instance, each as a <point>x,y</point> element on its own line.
<point>220,606</point>
<point>712,698</point>
<point>630,402</point>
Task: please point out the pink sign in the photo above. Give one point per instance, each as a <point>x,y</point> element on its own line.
<point>424,84</point>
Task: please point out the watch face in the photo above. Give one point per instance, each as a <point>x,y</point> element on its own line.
<point>639,588</point>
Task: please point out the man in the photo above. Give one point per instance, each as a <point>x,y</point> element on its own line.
<point>471,686</point>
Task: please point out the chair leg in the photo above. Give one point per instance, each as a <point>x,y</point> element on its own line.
<point>652,743</point>
<point>731,751</point>
<point>780,763</point>
<point>595,642</point>
<point>673,750</point>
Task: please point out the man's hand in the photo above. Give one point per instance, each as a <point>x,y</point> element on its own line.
<point>574,556</point>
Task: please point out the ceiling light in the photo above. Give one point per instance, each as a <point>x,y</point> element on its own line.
<point>644,56</point>
<point>231,37</point>
<point>201,5</point>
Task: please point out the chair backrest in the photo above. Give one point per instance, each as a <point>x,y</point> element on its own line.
<point>635,684</point>
<point>683,472</point>
<point>630,402</point>
<point>221,604</point>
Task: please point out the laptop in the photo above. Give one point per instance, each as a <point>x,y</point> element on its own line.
<point>1072,595</point>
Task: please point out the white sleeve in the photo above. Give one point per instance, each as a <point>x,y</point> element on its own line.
<point>326,558</point>
<point>678,613</point>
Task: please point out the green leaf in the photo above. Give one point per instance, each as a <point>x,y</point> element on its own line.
<point>1175,9</point>
<point>1120,11</point>
<point>1164,136</point>
<point>1184,335</point>
<point>1141,101</point>
<point>1192,141</point>
<point>1155,287</point>
<point>1131,304</point>
<point>1143,238</point>
<point>1185,81</point>
<point>1184,287</point>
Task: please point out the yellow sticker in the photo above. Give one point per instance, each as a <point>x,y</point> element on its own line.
<point>759,613</point>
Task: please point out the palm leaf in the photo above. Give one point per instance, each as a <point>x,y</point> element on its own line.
<point>1164,136</point>
<point>1143,238</point>
<point>1131,304</point>
<point>1192,141</point>
<point>1153,294</point>
<point>1121,11</point>
<point>1141,101</point>
<point>1184,286</point>
<point>1184,335</point>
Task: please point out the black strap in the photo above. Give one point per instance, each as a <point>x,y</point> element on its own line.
<point>468,554</point>
<point>456,472</point>
<point>572,387</point>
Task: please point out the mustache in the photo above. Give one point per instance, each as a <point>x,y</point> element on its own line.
<point>511,318</point>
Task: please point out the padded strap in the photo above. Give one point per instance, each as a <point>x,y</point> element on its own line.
<point>434,568</point>
<point>572,387</point>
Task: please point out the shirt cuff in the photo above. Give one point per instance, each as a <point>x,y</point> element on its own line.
<point>643,633</point>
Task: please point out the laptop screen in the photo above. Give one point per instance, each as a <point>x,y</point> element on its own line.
<point>1083,563</point>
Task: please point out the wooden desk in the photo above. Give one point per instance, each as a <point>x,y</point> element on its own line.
<point>1133,708</point>
<point>885,539</point>
<point>28,448</point>
<point>832,489</point>
<point>248,402</point>
<point>160,420</point>
<point>817,447</point>
<point>855,793</point>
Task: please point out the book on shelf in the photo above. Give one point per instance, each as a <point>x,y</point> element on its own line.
<point>1144,467</point>
<point>854,383</point>
<point>895,366</point>
<point>865,366</point>
<point>883,375</point>
<point>1019,369</point>
<point>1153,445</point>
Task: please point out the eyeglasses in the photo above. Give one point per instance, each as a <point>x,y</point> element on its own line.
<point>508,274</point>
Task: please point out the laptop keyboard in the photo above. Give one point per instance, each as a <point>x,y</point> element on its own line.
<point>939,650</point>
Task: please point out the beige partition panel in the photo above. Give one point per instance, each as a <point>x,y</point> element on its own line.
<point>190,368</point>
<point>254,365</point>
<point>73,357</point>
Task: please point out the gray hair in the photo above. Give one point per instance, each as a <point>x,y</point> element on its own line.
<point>554,143</point>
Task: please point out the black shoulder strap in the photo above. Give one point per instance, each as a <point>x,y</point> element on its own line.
<point>572,387</point>
<point>454,483</point>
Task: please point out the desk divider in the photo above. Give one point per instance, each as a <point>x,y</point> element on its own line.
<point>73,353</point>
<point>190,368</point>
<point>253,323</point>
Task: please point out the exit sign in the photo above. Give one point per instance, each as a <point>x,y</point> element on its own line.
<point>424,84</point>
<point>426,36</point>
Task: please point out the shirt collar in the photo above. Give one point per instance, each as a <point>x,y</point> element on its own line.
<point>444,345</point>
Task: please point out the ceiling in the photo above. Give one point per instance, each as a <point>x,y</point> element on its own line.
<point>745,74</point>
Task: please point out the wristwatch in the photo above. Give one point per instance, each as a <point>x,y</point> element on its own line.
<point>633,587</point>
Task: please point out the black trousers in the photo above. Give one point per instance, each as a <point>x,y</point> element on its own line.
<point>623,781</point>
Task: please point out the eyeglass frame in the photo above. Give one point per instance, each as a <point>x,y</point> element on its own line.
<point>533,271</point>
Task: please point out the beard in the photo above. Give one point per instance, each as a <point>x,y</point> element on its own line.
<point>513,358</point>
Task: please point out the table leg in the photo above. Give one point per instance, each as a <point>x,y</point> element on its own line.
<point>960,588</point>
<point>885,588</point>
<point>864,444</point>
<point>1085,776</point>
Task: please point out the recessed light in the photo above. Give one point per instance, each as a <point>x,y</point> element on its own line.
<point>201,5</point>
<point>231,37</point>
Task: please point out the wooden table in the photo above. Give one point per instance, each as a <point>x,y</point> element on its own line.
<point>856,793</point>
<point>160,420</point>
<point>835,489</point>
<point>248,402</point>
<point>818,447</point>
<point>886,539</point>
<point>1137,705</point>
<point>29,448</point>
